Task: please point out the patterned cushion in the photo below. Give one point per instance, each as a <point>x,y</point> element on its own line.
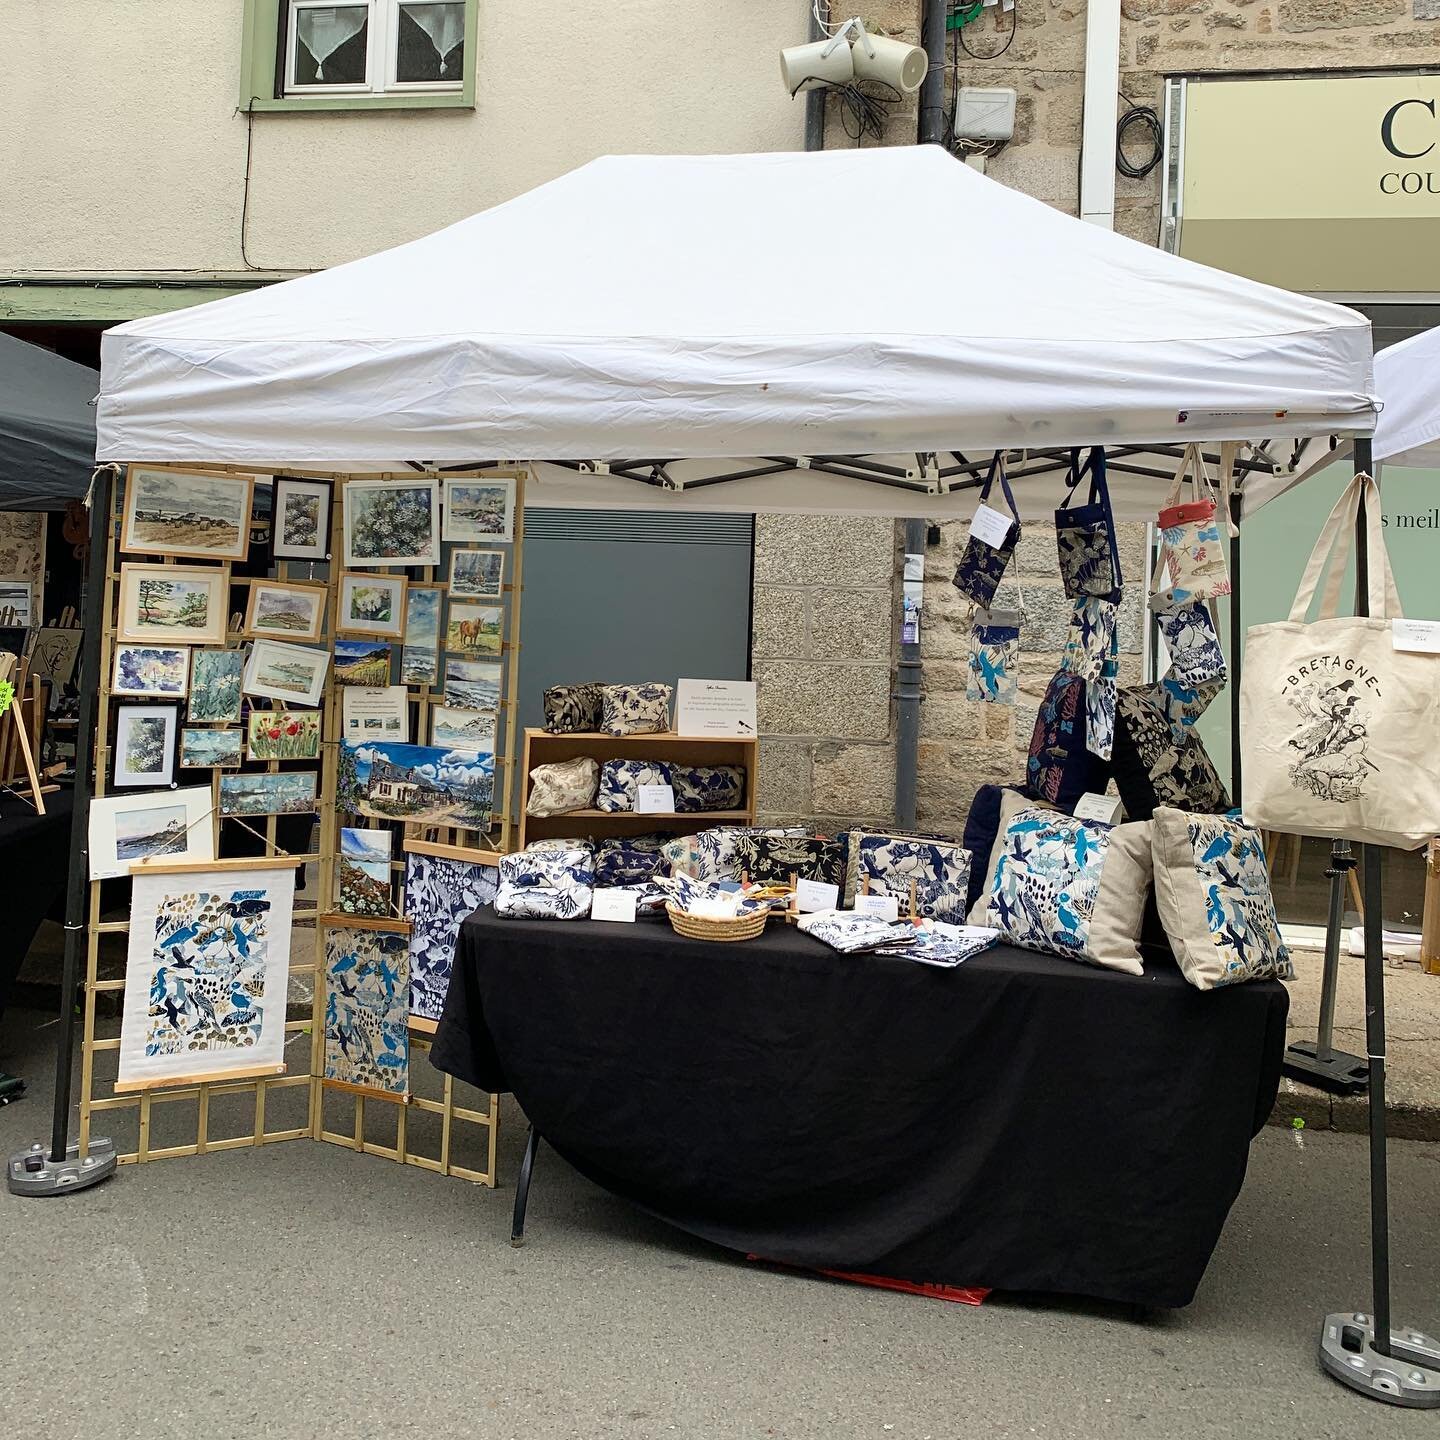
<point>620,781</point>
<point>635,709</point>
<point>630,861</point>
<point>573,708</point>
<point>1213,891</point>
<point>708,787</point>
<point>564,786</point>
<point>715,854</point>
<point>939,872</point>
<point>545,885</point>
<point>1068,887</point>
<point>1157,762</point>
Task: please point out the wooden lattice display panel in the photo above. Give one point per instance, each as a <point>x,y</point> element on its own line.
<point>427,1128</point>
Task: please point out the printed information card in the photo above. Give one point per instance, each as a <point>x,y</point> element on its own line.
<point>721,708</point>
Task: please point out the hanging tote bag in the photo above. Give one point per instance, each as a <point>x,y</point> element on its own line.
<point>1191,639</point>
<point>1190,535</point>
<point>1339,726</point>
<point>1085,534</point>
<point>994,676</point>
<point>1060,768</point>
<point>1100,696</point>
<point>983,564</point>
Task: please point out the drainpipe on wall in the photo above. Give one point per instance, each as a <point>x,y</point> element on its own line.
<point>909,690</point>
<point>815,99</point>
<point>1102,92</point>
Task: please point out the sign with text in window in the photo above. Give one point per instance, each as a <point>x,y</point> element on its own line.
<point>722,709</point>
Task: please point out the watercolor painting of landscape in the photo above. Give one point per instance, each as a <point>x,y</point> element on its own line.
<point>169,512</point>
<point>474,629</point>
<point>150,670</point>
<point>367,1009</point>
<point>296,612</point>
<point>472,730</point>
<point>364,872</point>
<point>203,747</point>
<point>215,677</point>
<point>125,830</point>
<point>206,975</point>
<point>178,604</point>
<point>473,684</point>
<point>479,509</point>
<point>423,784</point>
<point>362,662</point>
<point>289,793</point>
<point>439,894</point>
<point>476,574</point>
<point>420,654</point>
<point>293,673</point>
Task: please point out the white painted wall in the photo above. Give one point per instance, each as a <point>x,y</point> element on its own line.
<point>121,149</point>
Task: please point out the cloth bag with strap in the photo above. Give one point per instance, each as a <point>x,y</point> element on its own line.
<point>1191,638</point>
<point>983,565</point>
<point>1085,534</point>
<point>1339,726</point>
<point>1190,538</point>
<point>994,673</point>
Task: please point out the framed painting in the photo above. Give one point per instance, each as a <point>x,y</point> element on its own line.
<point>420,653</point>
<point>372,605</point>
<point>283,735</point>
<point>390,522</point>
<point>367,1006</point>
<point>177,512</point>
<point>206,975</point>
<point>479,510</point>
<point>293,673</point>
<point>302,519</point>
<point>421,784</point>
<point>174,826</point>
<point>363,872</point>
<point>286,611</point>
<point>477,574</point>
<point>54,652</point>
<point>205,748</point>
<point>150,670</point>
<point>473,684</point>
<point>215,679</point>
<point>178,604</point>
<point>455,729</point>
<point>146,740</point>
<point>291,792</point>
<point>15,608</point>
<point>474,629</point>
<point>439,894</point>
<point>363,662</point>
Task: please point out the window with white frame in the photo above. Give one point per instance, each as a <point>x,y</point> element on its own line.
<point>374,47</point>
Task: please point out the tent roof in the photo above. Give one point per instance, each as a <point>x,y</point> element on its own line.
<point>47,427</point>
<point>851,302</point>
<point>1407,377</point>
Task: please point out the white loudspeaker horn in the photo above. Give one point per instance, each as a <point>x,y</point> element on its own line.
<point>823,62</point>
<point>878,57</point>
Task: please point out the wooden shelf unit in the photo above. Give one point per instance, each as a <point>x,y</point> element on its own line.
<point>543,748</point>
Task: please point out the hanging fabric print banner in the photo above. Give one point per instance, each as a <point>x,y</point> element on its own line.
<point>439,894</point>
<point>206,976</point>
<point>994,658</point>
<point>367,1007</point>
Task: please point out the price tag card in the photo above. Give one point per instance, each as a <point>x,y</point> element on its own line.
<point>715,707</point>
<point>991,525</point>
<point>655,800</point>
<point>612,905</point>
<point>1104,808</point>
<point>1421,635</point>
<point>882,907</point>
<point>811,895</point>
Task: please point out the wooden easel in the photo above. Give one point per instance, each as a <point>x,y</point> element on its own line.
<point>15,730</point>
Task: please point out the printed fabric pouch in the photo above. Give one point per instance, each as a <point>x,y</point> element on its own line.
<point>1069,887</point>
<point>714,854</point>
<point>770,859</point>
<point>1100,696</point>
<point>573,709</point>
<point>852,934</point>
<point>982,564</point>
<point>1085,534</point>
<point>1182,704</point>
<point>994,675</point>
<point>564,786</point>
<point>620,782</point>
<point>1157,762</point>
<point>1189,630</point>
<point>1190,540</point>
<point>630,861</point>
<point>545,885</point>
<point>707,787</point>
<point>635,709</point>
<point>1212,888</point>
<point>1060,768</point>
<point>892,864</point>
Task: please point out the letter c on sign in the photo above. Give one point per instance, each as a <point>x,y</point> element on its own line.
<point>1387,129</point>
<point>1390,189</point>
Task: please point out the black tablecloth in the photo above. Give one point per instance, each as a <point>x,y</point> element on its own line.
<point>34,858</point>
<point>1023,1122</point>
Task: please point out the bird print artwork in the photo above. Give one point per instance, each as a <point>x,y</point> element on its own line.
<point>1240,915</point>
<point>367,1008</point>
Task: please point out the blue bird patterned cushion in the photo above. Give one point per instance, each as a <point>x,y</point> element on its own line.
<point>620,782</point>
<point>545,885</point>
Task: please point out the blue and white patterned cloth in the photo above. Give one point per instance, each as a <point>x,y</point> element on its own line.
<point>631,860</point>
<point>635,709</point>
<point>620,782</point>
<point>939,871</point>
<point>708,787</point>
<point>718,853</point>
<point>849,933</point>
<point>701,897</point>
<point>1239,908</point>
<point>545,885</point>
<point>943,945</point>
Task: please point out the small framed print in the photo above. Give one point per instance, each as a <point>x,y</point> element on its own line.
<point>372,605</point>
<point>477,574</point>
<point>151,670</point>
<point>474,629</point>
<point>204,747</point>
<point>168,825</point>
<point>175,512</point>
<point>215,678</point>
<point>283,735</point>
<point>293,673</point>
<point>391,522</point>
<point>15,604</point>
<point>478,509</point>
<point>363,662</point>
<point>173,604</point>
<point>146,737</point>
<point>290,792</point>
<point>286,611</point>
<point>302,519</point>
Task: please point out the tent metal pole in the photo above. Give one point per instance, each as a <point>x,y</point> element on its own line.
<point>1237,635</point>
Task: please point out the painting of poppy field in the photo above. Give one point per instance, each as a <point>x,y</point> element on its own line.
<point>283,735</point>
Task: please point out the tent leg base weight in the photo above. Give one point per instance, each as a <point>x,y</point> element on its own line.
<point>33,1172</point>
<point>1409,1376</point>
<point>1340,1072</point>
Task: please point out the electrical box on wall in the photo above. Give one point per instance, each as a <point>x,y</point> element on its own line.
<point>985,113</point>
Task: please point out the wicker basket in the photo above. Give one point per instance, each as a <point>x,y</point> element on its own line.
<point>742,927</point>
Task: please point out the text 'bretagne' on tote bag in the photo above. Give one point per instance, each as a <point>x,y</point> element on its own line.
<point>984,559</point>
<point>1340,727</point>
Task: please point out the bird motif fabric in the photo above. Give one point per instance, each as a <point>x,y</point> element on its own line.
<point>994,675</point>
<point>546,885</point>
<point>367,1009</point>
<point>1195,654</point>
<point>1159,763</point>
<point>635,709</point>
<point>939,871</point>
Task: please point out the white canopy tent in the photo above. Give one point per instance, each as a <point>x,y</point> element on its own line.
<point>1407,377</point>
<point>744,312</point>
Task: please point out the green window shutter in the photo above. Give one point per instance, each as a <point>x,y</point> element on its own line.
<point>259,52</point>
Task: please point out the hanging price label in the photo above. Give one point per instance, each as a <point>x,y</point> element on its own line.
<point>991,525</point>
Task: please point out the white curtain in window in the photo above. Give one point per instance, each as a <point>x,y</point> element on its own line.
<point>323,31</point>
<point>444,24</point>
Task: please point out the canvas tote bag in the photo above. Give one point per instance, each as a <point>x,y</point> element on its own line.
<point>1340,728</point>
<point>1190,534</point>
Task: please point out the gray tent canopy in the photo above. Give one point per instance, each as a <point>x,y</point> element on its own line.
<point>47,427</point>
